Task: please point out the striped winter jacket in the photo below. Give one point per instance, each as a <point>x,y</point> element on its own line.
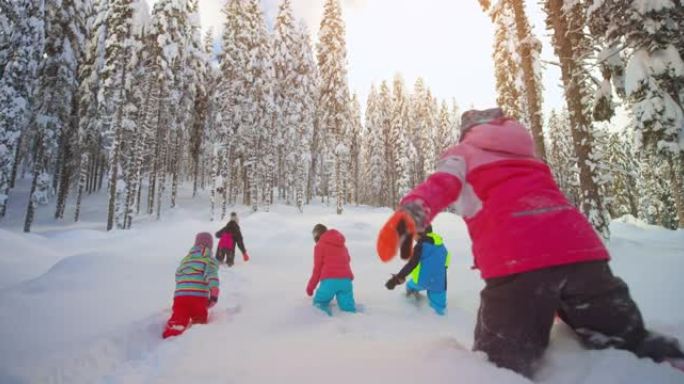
<point>197,274</point>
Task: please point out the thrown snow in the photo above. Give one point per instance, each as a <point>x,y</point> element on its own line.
<point>79,305</point>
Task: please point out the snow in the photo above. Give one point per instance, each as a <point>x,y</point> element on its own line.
<point>80,305</point>
<point>647,6</point>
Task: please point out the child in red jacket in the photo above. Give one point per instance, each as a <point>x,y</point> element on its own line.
<point>536,252</point>
<point>332,269</point>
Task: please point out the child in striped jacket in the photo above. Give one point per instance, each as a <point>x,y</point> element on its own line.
<point>197,287</point>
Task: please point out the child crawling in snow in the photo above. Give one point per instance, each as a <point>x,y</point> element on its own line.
<point>230,237</point>
<point>536,252</point>
<point>197,287</point>
<point>333,270</point>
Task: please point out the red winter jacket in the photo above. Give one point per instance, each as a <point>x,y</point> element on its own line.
<point>331,259</point>
<point>517,217</point>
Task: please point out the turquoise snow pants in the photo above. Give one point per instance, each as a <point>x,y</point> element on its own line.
<point>437,299</point>
<point>335,288</point>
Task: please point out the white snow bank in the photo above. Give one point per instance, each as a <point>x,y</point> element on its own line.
<point>93,309</point>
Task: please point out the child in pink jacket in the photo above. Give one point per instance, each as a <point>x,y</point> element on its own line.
<point>536,252</point>
<point>332,272</point>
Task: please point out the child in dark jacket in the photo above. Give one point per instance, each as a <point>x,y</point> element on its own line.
<point>427,268</point>
<point>230,236</point>
<point>333,270</point>
<point>197,287</point>
<point>536,252</point>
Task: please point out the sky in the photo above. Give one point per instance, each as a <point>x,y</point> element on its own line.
<point>447,42</point>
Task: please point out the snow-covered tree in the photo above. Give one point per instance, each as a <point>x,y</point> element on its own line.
<point>573,49</point>
<point>89,138</point>
<point>333,118</point>
<point>401,154</point>
<point>306,82</point>
<point>518,66</point>
<point>22,34</point>
<point>55,98</point>
<point>649,36</point>
<point>256,125</point>
<point>355,142</point>
<point>115,106</point>
<point>561,156</point>
<point>374,151</point>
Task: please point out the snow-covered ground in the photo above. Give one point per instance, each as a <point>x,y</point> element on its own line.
<point>79,305</point>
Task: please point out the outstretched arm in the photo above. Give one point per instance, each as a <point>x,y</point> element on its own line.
<point>437,192</point>
<point>422,204</point>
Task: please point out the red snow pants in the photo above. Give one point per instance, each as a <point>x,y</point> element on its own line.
<point>186,309</point>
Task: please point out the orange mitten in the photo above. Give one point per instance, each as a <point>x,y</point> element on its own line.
<point>397,229</point>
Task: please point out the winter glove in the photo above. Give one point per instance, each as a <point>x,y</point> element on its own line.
<point>245,257</point>
<point>398,231</point>
<point>213,296</point>
<point>212,301</point>
<point>393,282</point>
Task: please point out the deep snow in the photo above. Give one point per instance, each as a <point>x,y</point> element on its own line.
<point>79,305</point>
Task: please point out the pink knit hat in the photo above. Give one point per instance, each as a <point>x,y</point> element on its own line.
<point>204,239</point>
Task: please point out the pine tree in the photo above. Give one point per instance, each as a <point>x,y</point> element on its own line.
<point>76,14</point>
<point>401,153</point>
<point>375,159</point>
<point>424,136</point>
<point>355,143</point>
<point>55,97</point>
<point>285,97</point>
<point>573,48</point>
<point>518,67</point>
<point>259,125</point>
<point>652,81</point>
<point>116,76</point>
<point>444,135</point>
<point>334,92</point>
<point>231,91</point>
<point>561,157</point>
<point>306,82</point>
<point>89,136</point>
<point>384,131</point>
<point>624,186</point>
<point>22,34</point>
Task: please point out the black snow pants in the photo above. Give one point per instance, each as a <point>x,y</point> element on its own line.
<point>517,312</point>
<point>226,254</point>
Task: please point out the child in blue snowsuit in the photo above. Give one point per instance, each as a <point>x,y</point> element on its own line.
<point>427,268</point>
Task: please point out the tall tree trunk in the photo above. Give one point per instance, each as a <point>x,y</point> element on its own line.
<point>82,184</point>
<point>568,39</point>
<point>37,165</point>
<point>15,166</point>
<point>676,166</point>
<point>531,87</point>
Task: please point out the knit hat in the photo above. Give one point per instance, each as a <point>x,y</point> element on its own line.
<point>474,117</point>
<point>204,239</point>
<point>234,217</point>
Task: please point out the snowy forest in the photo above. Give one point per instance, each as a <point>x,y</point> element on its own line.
<point>109,96</point>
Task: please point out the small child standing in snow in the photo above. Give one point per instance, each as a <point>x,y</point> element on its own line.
<point>332,269</point>
<point>230,236</point>
<point>197,287</point>
<point>427,268</point>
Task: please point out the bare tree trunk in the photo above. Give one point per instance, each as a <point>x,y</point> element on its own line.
<point>82,184</point>
<point>568,38</point>
<point>676,166</point>
<point>15,166</point>
<point>531,87</point>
